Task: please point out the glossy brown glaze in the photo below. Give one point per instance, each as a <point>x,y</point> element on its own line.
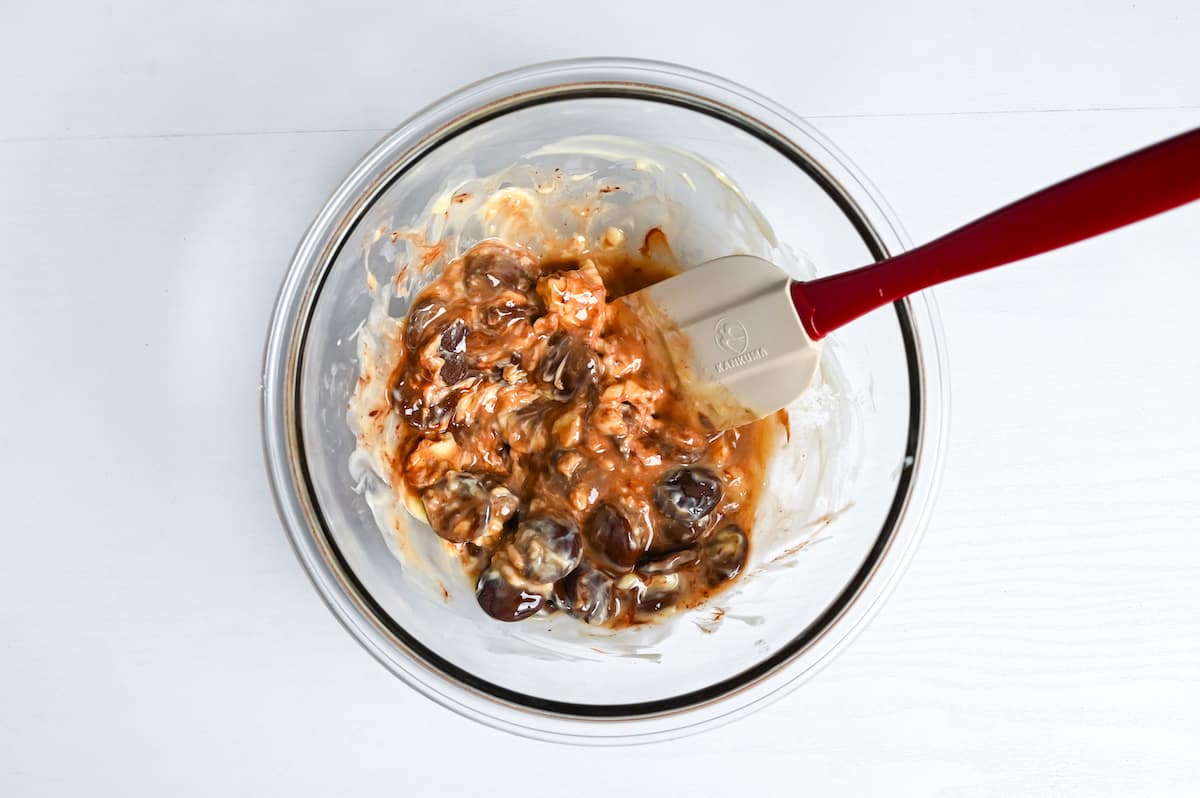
<point>544,431</point>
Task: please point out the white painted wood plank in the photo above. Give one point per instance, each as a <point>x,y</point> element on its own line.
<point>146,68</point>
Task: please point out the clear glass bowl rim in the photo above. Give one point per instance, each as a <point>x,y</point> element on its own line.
<point>859,200</point>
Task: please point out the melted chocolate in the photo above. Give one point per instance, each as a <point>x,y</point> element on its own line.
<point>547,436</point>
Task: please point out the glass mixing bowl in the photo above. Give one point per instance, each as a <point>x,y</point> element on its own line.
<point>778,628</point>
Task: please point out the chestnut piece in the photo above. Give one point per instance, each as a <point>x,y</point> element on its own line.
<point>725,553</point>
<point>459,506</point>
<point>688,495</point>
<point>490,269</point>
<point>422,321</point>
<point>548,548</point>
<point>566,365</point>
<point>503,601</point>
<point>612,536</point>
<point>589,594</point>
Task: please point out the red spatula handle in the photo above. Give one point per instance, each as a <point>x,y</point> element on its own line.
<point>1118,193</point>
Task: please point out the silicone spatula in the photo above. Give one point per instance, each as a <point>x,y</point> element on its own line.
<point>746,340</point>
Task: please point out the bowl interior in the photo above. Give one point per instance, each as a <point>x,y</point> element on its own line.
<point>790,598</point>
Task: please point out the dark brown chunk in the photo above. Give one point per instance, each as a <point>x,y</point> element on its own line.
<point>671,563</point>
<point>725,553</point>
<point>508,312</point>
<point>503,601</point>
<point>590,594</point>
<point>549,549</point>
<point>528,429</point>
<point>688,495</point>
<point>680,443</point>
<point>490,269</point>
<point>459,506</point>
<point>453,350</point>
<point>567,364</point>
<point>408,398</point>
<point>424,320</point>
<point>612,536</point>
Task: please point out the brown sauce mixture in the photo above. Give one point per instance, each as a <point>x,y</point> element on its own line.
<point>545,434</point>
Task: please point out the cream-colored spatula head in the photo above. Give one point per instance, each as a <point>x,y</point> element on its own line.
<point>746,340</point>
<point>734,337</point>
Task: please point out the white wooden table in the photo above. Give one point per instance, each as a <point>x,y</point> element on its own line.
<point>158,163</point>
